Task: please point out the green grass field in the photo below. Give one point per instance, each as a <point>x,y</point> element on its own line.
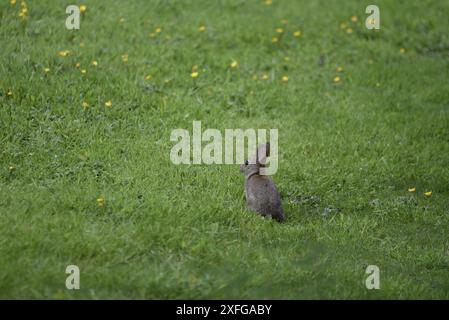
<point>86,176</point>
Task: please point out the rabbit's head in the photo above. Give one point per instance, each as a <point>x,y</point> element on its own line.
<point>252,165</point>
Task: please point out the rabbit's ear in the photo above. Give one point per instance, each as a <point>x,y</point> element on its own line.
<point>263,151</point>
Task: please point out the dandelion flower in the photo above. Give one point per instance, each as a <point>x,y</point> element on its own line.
<point>412,189</point>
<point>148,77</point>
<point>82,44</point>
<point>337,79</point>
<point>402,50</point>
<point>349,30</point>
<point>268,2</point>
<point>158,30</point>
<point>83,71</point>
<point>297,34</point>
<point>125,58</point>
<point>254,77</point>
<point>279,30</point>
<point>12,168</point>
<point>167,81</point>
<point>152,35</point>
<point>95,63</point>
<point>274,40</point>
<point>121,20</point>
<point>23,11</point>
<point>9,93</point>
<point>339,69</point>
<point>85,105</point>
<point>83,8</point>
<point>234,64</point>
<point>194,74</point>
<point>285,78</point>
<point>46,70</point>
<point>77,65</point>
<point>265,76</point>
<point>428,193</point>
<point>108,104</point>
<point>286,59</point>
<point>202,29</point>
<point>12,2</point>
<point>63,53</point>
<point>343,25</point>
<point>354,18</point>
<point>100,201</point>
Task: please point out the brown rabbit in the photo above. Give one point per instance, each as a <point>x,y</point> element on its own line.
<point>260,190</point>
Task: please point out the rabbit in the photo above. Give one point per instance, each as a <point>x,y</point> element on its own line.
<point>260,190</point>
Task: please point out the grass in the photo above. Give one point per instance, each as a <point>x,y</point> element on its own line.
<point>349,150</point>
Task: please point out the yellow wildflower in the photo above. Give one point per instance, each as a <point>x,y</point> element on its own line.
<point>194,74</point>
<point>265,76</point>
<point>268,2</point>
<point>349,30</point>
<point>12,2</point>
<point>274,40</point>
<point>402,50</point>
<point>148,77</point>
<point>108,104</point>
<point>9,93</point>
<point>46,70</point>
<point>339,69</point>
<point>64,53</point>
<point>202,29</point>
<point>279,30</point>
<point>83,71</point>
<point>100,201</point>
<point>297,34</point>
<point>95,63</point>
<point>354,19</point>
<point>85,105</point>
<point>412,189</point>
<point>83,8</point>
<point>285,78</point>
<point>12,168</point>
<point>158,30</point>
<point>428,193</point>
<point>234,64</point>
<point>121,20</point>
<point>337,79</point>
<point>125,58</point>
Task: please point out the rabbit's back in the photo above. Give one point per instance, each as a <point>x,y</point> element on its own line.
<point>263,197</point>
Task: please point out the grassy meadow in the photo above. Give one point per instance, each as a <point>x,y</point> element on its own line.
<point>85,171</point>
